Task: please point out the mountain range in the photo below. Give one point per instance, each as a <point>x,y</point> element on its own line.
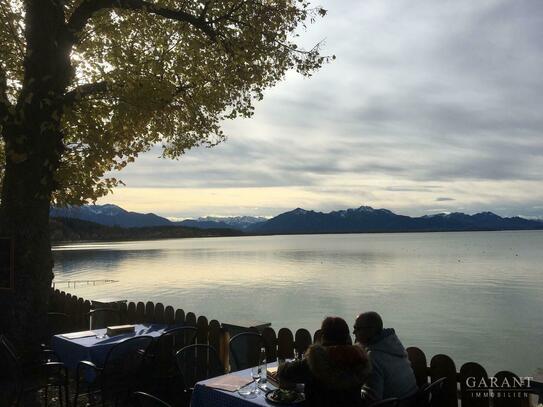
<point>212,222</point>
<point>366,219</point>
<point>301,221</point>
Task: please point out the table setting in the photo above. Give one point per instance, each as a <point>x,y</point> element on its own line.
<point>256,386</point>
<point>94,345</point>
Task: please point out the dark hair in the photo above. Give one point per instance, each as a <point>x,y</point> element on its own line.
<point>335,331</point>
<point>372,320</point>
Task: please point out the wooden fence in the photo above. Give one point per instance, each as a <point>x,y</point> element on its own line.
<point>283,343</point>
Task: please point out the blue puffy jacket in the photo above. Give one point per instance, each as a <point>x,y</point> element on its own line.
<point>391,375</point>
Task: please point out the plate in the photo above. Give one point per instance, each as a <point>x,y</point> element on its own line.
<point>280,396</point>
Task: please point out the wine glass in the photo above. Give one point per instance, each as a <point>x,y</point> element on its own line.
<point>255,374</point>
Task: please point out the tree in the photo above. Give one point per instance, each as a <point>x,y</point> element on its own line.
<point>87,85</point>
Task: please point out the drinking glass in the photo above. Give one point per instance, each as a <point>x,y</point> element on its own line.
<point>247,391</point>
<point>255,374</point>
<point>101,335</point>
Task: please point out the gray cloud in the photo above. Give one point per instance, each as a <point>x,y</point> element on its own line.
<point>423,92</point>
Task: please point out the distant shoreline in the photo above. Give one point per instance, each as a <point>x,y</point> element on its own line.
<point>241,234</point>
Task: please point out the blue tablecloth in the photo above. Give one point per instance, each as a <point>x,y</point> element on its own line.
<point>204,396</point>
<point>94,349</point>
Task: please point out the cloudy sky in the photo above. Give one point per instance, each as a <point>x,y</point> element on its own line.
<point>431,106</point>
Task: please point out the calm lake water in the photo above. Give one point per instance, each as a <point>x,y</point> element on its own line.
<point>476,296</point>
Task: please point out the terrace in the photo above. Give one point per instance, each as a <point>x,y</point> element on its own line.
<point>467,385</point>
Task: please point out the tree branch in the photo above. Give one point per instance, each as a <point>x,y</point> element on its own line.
<point>5,105</point>
<point>88,8</point>
<point>231,12</point>
<point>88,89</point>
<point>9,21</point>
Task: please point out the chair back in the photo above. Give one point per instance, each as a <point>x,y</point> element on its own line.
<point>390,402</point>
<point>432,394</point>
<point>146,400</point>
<point>100,318</point>
<point>57,323</point>
<point>169,343</point>
<point>521,399</point>
<point>11,375</point>
<point>123,363</point>
<point>245,350</point>
<point>198,362</point>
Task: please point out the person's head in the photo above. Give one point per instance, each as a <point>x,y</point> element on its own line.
<point>335,331</point>
<point>367,326</point>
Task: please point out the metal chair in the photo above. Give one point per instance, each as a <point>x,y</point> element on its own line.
<point>198,362</point>
<point>245,350</point>
<point>19,379</point>
<point>57,323</point>
<point>146,400</point>
<point>431,394</point>
<point>168,344</point>
<point>164,374</point>
<point>390,402</point>
<point>537,389</point>
<point>118,376</point>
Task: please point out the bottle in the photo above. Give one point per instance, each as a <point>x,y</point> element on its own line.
<point>263,365</point>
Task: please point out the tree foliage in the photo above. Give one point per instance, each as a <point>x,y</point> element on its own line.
<point>147,72</point>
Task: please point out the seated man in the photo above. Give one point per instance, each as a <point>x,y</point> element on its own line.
<point>391,375</point>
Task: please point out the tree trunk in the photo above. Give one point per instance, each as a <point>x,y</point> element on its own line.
<point>25,218</point>
<point>33,145</point>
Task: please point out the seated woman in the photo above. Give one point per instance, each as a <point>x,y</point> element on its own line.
<point>333,371</point>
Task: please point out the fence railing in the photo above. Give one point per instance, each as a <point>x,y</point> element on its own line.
<point>283,343</point>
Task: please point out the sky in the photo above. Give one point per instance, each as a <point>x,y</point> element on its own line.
<point>431,106</point>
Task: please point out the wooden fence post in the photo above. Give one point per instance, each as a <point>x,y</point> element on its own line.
<point>202,329</point>
<point>302,341</point>
<point>169,315</point>
<point>159,313</point>
<point>419,365</point>
<point>149,312</point>
<point>270,340</point>
<point>504,401</point>
<point>81,320</point>
<point>190,319</point>
<point>123,313</point>
<point>180,317</point>
<point>285,344</point>
<point>131,313</point>
<point>443,366</point>
<point>472,371</point>
<point>140,313</point>
<point>73,314</point>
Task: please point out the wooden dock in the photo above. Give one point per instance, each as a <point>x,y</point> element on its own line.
<point>72,283</point>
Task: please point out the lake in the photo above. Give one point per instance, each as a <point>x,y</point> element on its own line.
<point>475,296</point>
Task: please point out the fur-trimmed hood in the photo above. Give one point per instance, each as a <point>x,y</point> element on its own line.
<point>339,367</point>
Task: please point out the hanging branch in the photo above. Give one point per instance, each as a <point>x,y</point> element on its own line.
<point>88,8</point>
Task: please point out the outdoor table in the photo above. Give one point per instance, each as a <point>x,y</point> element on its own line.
<point>205,396</point>
<point>95,348</point>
